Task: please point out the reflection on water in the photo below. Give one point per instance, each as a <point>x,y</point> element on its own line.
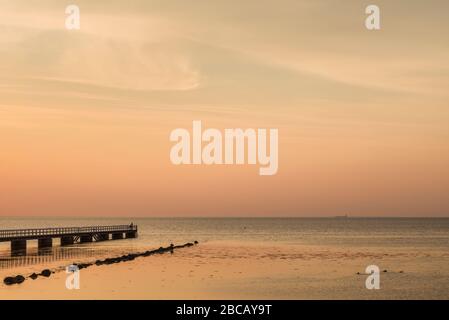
<point>43,256</point>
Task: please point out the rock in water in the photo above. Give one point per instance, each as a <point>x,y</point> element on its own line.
<point>12,280</point>
<point>46,273</point>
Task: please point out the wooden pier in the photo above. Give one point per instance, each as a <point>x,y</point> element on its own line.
<point>67,236</point>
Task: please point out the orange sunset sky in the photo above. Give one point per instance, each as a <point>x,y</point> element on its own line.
<point>85,115</point>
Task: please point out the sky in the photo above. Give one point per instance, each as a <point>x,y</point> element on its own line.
<point>85,115</point>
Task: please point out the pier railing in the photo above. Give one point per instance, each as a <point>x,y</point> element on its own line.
<point>7,235</point>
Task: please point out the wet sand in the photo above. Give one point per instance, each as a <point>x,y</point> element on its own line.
<point>226,270</point>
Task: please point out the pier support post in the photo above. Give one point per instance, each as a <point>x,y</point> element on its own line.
<point>103,237</point>
<point>67,240</point>
<point>86,238</point>
<point>116,236</point>
<point>131,234</point>
<point>18,247</point>
<point>44,243</point>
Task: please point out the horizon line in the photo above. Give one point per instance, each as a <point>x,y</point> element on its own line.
<point>230,217</point>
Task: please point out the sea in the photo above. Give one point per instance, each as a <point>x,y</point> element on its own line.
<point>342,232</point>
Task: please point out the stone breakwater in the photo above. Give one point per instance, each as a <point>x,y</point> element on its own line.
<point>129,257</point>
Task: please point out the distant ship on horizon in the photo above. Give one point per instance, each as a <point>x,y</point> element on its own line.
<point>342,217</point>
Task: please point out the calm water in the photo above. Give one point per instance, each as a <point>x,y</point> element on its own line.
<point>431,233</point>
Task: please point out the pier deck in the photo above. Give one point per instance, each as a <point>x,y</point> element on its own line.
<point>67,235</point>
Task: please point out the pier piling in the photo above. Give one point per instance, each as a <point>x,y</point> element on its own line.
<point>131,234</point>
<point>44,243</point>
<point>86,238</point>
<point>116,236</point>
<point>67,240</point>
<point>18,247</point>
